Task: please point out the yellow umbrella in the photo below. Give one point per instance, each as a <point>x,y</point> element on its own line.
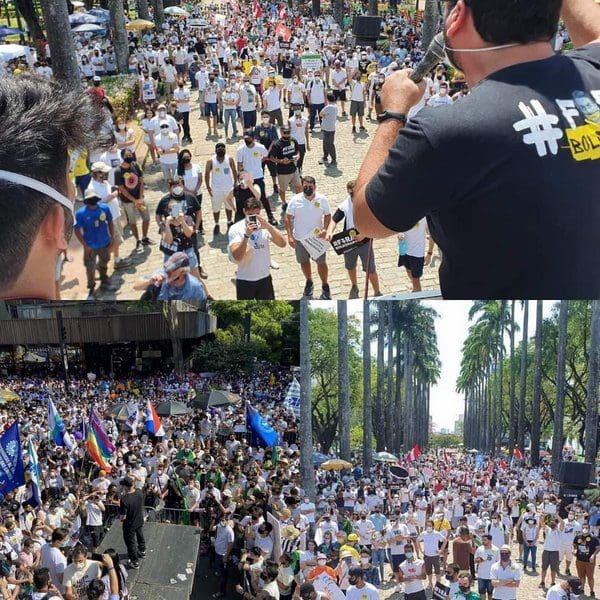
<point>7,395</point>
<point>336,464</point>
<point>139,24</point>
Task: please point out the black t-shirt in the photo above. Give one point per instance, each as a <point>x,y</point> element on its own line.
<point>287,69</point>
<point>129,178</point>
<point>510,200</point>
<point>241,195</point>
<point>585,546</point>
<point>132,506</point>
<point>284,149</point>
<point>180,240</point>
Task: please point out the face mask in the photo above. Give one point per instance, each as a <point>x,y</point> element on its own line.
<point>308,191</point>
<point>186,160</point>
<point>177,190</point>
<point>321,562</point>
<point>463,588</point>
<point>585,531</point>
<point>265,120</point>
<point>121,126</point>
<point>352,580</point>
<point>297,112</point>
<point>429,529</point>
<point>364,560</point>
<point>248,141</point>
<point>409,554</point>
<point>443,92</point>
<point>79,564</point>
<point>571,517</point>
<point>504,557</point>
<point>220,153</point>
<point>128,159</point>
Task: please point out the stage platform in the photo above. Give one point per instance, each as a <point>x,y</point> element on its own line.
<point>169,571</point>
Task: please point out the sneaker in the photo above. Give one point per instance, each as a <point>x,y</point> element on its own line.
<point>107,286</point>
<point>134,564</point>
<point>273,222</point>
<point>229,224</point>
<point>284,207</point>
<point>276,189</point>
<point>138,245</point>
<point>308,289</point>
<point>274,264</point>
<point>592,595</point>
<point>217,230</point>
<point>122,263</point>
<point>333,163</point>
<point>325,292</point>
<point>362,128</point>
<point>147,241</point>
<point>203,273</point>
<point>353,293</point>
<point>353,129</point>
<point>323,161</point>
<point>201,230</point>
<point>344,114</point>
<point>142,554</point>
<point>377,296</point>
<point>91,295</point>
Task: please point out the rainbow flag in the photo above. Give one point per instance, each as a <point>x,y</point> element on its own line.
<point>97,444</point>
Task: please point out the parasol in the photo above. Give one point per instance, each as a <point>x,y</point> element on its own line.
<point>172,408</point>
<point>87,27</point>
<point>336,464</point>
<point>7,395</point>
<point>176,11</point>
<point>139,24</point>
<point>385,457</point>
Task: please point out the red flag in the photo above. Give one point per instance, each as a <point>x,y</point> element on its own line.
<point>283,31</point>
<point>503,464</point>
<point>282,12</point>
<point>518,454</point>
<point>256,10</point>
<point>413,454</point>
<point>490,468</point>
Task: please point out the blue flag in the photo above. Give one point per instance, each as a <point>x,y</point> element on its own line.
<point>12,472</point>
<point>58,432</point>
<point>262,433</point>
<point>34,476</point>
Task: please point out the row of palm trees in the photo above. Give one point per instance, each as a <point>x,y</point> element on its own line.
<point>563,373</point>
<point>396,386</point>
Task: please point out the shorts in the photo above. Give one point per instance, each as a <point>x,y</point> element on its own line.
<point>566,552</point>
<point>272,168</point>
<point>357,108</point>
<point>432,564</point>
<point>340,95</point>
<point>302,255</point>
<point>413,263</point>
<point>397,560</point>
<point>133,213</point>
<point>117,231</point>
<point>584,570</point>
<point>484,586</point>
<point>285,179</point>
<point>416,596</point>
<point>218,199</point>
<point>189,253</point>
<point>550,558</point>
<point>351,258</point>
<point>210,108</point>
<point>520,539</point>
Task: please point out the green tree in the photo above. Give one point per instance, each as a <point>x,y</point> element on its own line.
<point>343,380</point>
<point>307,470</point>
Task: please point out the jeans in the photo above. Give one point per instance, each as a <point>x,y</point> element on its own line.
<point>135,542</point>
<point>378,558</point>
<point>185,116</point>
<point>314,110</point>
<point>329,145</point>
<point>263,196</point>
<point>103,256</point>
<point>222,570</point>
<point>230,116</point>
<point>527,552</point>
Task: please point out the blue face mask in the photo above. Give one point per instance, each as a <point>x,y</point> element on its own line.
<point>408,554</point>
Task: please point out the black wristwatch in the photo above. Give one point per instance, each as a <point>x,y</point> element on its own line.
<point>385,115</point>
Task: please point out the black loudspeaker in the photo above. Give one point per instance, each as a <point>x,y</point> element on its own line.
<point>365,27</point>
<point>574,474</point>
<point>571,493</point>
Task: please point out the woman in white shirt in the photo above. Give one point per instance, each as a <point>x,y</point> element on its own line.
<point>148,128</point>
<point>124,136</point>
<point>192,179</point>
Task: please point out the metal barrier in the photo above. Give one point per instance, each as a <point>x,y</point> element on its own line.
<point>163,514</point>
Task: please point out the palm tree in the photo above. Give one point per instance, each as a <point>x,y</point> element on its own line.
<point>379,427</point>
<point>367,401</point>
<point>431,18</point>
<point>523,384</point>
<point>170,311</point>
<point>343,380</point>
<point>119,34</point>
<point>372,7</point>
<point>316,8</point>
<point>307,471</point>
<point>591,413</point>
<point>389,404</point>
<point>159,13</point>
<point>60,39</point>
<point>27,9</point>
<point>512,381</point>
<point>559,410</point>
<point>537,387</point>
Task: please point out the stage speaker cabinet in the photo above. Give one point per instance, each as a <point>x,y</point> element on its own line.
<point>568,493</point>
<point>574,474</point>
<point>366,27</point>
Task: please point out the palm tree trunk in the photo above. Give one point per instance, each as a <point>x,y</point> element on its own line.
<point>591,412</point>
<point>60,38</point>
<point>307,471</point>
<point>378,425</point>
<point>27,9</point>
<point>499,407</point>
<point>398,402</point>
<point>512,382</point>
<point>343,380</point>
<point>159,13</point>
<point>409,413</point>
<point>119,34</point>
<point>537,387</point>
<point>523,383</point>
<point>338,12</point>
<point>171,316</point>
<point>316,8</point>
<point>372,7</point>
<point>389,404</point>
<point>143,11</point>
<point>559,410</point>
<point>430,22</point>
<point>367,401</point>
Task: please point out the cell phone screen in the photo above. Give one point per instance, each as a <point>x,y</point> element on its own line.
<point>96,556</point>
<point>252,219</point>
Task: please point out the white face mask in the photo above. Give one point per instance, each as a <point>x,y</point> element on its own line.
<point>364,560</point>
<point>321,562</point>
<point>162,113</point>
<point>177,190</point>
<point>122,126</point>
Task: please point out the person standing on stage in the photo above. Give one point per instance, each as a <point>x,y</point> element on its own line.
<point>132,517</point>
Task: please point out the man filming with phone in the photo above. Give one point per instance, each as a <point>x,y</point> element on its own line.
<point>249,244</point>
<point>508,176</point>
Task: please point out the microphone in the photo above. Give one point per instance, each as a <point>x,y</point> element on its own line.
<point>435,53</point>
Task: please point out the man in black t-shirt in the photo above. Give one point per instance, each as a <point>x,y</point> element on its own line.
<point>284,153</point>
<point>129,179</point>
<point>507,177</point>
<point>585,547</point>
<point>131,510</point>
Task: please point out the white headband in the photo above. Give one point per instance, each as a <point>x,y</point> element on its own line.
<point>37,185</point>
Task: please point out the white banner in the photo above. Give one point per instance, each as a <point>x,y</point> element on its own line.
<point>324,583</point>
<point>315,246</point>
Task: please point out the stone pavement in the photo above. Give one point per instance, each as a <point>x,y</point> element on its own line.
<point>287,278</point>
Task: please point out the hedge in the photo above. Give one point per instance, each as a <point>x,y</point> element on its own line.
<point>122,91</point>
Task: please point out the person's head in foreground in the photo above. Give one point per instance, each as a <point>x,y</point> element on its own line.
<point>41,124</point>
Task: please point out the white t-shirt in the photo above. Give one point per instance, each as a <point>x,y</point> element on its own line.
<point>489,557</point>
<point>412,569</point>
<point>298,128</point>
<point>339,79</point>
<point>221,176</point>
<point>437,100</point>
<point>251,159</point>
<point>56,562</point>
<point>357,91</point>
<point>308,214</point>
<point>248,97</point>
<point>416,238</point>
<point>182,94</point>
<point>296,92</point>
<point>94,514</point>
<point>511,573</point>
<point>316,92</point>
<point>556,592</point>
<point>368,592</point>
<point>79,579</point>
<point>430,542</point>
<point>190,178</point>
<point>271,99</point>
<point>223,538</point>
<point>258,266</point>
<point>167,142</point>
